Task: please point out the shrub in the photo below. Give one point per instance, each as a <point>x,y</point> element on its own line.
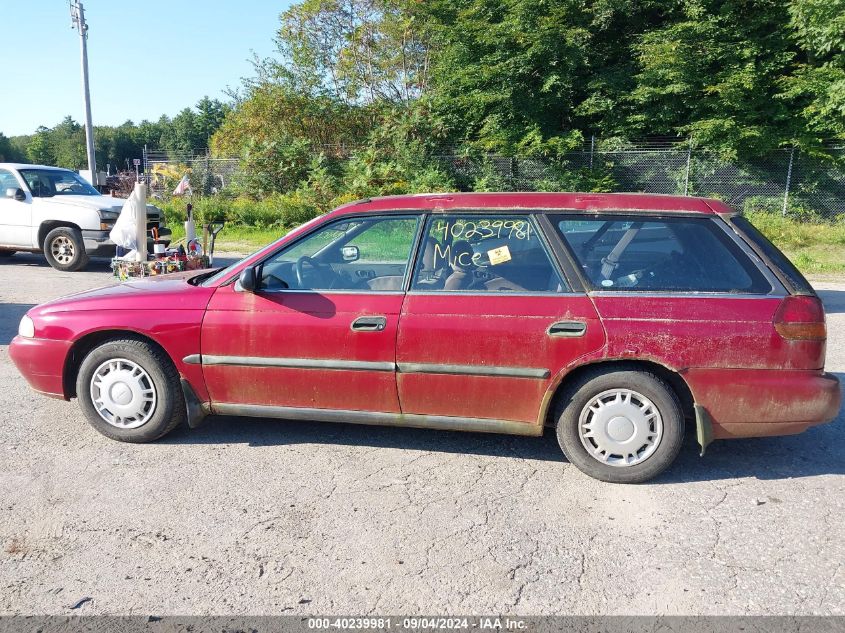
<point>280,210</point>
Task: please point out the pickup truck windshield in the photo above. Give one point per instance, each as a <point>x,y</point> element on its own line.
<point>46,183</point>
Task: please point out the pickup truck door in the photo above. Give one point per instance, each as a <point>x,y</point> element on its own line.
<point>15,215</point>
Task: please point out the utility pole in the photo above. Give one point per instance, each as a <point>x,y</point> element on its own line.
<point>77,16</point>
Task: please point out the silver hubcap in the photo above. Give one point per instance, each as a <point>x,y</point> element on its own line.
<point>620,427</point>
<point>62,249</point>
<point>123,393</point>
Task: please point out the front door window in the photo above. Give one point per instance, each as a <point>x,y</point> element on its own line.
<point>362,254</point>
<point>7,181</point>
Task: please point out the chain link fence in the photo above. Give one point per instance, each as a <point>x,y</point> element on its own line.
<point>207,174</point>
<point>787,181</point>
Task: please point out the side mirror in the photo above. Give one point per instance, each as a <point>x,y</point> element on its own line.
<point>350,253</point>
<point>17,194</point>
<point>247,279</point>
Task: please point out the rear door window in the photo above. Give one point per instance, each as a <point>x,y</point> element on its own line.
<point>484,253</point>
<point>617,252</point>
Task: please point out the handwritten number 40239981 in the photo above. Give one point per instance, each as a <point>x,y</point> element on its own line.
<point>482,229</point>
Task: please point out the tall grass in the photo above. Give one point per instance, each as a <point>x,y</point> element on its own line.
<point>813,246</point>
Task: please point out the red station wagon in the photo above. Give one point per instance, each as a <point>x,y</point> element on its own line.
<point>611,317</point>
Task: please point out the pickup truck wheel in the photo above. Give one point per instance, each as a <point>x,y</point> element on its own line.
<point>620,426</point>
<point>65,250</point>
<point>129,390</point>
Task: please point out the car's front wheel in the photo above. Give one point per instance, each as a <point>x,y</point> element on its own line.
<point>130,391</point>
<point>65,250</point>
<point>620,426</point>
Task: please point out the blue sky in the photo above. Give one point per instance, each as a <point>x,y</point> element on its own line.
<point>177,50</point>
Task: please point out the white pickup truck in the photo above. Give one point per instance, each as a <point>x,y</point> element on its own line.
<point>55,211</point>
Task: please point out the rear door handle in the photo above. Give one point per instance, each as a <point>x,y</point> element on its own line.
<point>567,329</point>
<point>369,324</point>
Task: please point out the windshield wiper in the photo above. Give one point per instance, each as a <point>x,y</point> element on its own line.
<point>195,281</point>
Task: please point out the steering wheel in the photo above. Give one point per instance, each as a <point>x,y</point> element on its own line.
<point>316,269</point>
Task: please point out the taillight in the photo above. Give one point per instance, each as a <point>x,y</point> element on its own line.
<point>801,318</point>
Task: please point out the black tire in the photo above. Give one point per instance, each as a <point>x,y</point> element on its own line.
<point>65,249</point>
<point>5,252</point>
<point>575,400</point>
<point>168,410</point>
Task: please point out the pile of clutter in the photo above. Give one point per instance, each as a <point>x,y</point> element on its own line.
<point>173,261</point>
<point>130,236</point>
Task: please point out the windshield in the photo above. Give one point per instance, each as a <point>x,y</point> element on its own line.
<point>221,274</point>
<point>46,183</point>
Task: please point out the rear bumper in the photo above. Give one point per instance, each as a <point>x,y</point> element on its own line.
<point>760,403</point>
<point>41,361</point>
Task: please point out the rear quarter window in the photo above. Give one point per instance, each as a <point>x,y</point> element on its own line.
<point>635,253</point>
<point>793,276</point>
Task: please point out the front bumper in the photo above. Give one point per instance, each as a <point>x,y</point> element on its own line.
<point>41,362</point>
<point>98,243</point>
<point>761,403</point>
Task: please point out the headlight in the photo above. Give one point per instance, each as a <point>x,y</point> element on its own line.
<point>26,328</point>
<point>109,215</point>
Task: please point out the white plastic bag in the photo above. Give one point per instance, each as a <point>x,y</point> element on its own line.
<point>130,229</point>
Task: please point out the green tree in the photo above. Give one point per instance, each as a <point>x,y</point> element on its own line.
<point>9,153</point>
<point>209,118</point>
<point>115,146</point>
<point>357,51</point>
<point>271,111</point>
<point>150,133</point>
<point>535,78</point>
<point>67,140</point>
<point>742,76</point>
<point>40,150</point>
<point>819,26</point>
<point>179,134</point>
<point>714,75</point>
<point>816,89</point>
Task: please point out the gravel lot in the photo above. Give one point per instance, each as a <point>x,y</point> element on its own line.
<point>247,516</point>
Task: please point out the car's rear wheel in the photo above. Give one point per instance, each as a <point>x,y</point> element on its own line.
<point>130,391</point>
<point>620,426</point>
<point>65,250</point>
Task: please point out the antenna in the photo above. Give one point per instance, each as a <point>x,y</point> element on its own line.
<point>77,17</point>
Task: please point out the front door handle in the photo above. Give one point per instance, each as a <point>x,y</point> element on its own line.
<point>369,324</point>
<point>567,329</point>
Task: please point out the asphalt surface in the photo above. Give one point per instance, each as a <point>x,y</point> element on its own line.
<point>247,516</point>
